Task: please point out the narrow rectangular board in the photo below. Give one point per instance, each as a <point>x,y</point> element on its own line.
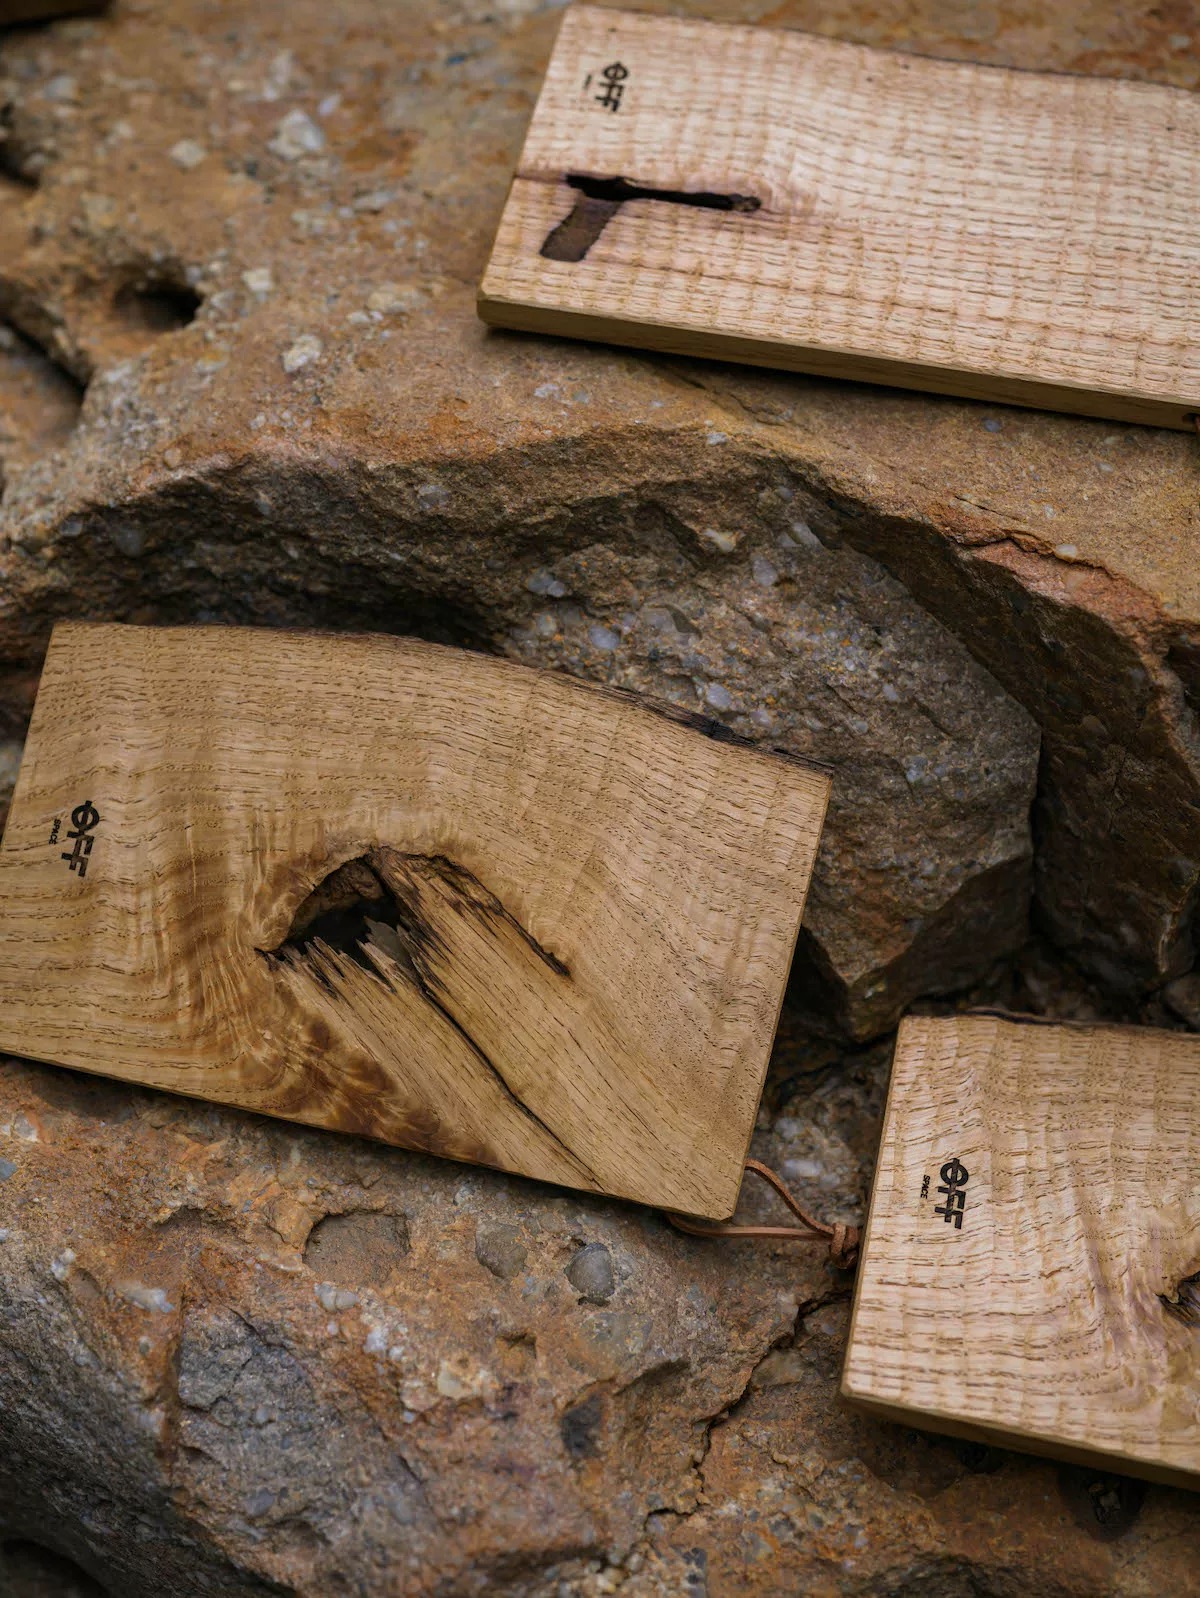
<point>1030,1274</point>
<point>401,890</point>
<point>768,196</point>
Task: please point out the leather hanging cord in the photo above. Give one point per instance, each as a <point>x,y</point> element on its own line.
<point>843,1240</point>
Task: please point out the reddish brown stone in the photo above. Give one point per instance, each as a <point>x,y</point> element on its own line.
<point>240,1358</point>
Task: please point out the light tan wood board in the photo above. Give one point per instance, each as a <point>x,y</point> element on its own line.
<point>1049,1301</point>
<point>1011,236</point>
<point>407,891</point>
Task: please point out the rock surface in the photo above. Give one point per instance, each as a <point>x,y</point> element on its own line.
<point>241,1358</point>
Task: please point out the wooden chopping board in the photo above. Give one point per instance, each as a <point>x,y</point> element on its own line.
<point>763,195</point>
<point>401,890</point>
<point>1030,1274</point>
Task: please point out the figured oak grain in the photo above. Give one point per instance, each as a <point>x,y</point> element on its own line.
<point>1061,1314</point>
<point>401,890</point>
<point>1010,236</point>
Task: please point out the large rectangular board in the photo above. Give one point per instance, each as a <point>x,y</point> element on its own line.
<point>769,196</point>
<point>401,890</point>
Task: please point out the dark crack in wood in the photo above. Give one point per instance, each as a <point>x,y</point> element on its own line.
<point>601,198</point>
<point>1184,1303</point>
<point>369,911</point>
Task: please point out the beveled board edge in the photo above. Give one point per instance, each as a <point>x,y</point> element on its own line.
<point>516,316</point>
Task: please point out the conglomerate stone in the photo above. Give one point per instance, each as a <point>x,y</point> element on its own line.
<point>240,1358</point>
<point>243,381</point>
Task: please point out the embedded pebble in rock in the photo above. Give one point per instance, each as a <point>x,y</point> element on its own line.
<point>1182,998</point>
<point>188,154</point>
<point>259,280</point>
<point>591,1274</point>
<point>302,353</point>
<point>296,136</point>
<point>499,1248</point>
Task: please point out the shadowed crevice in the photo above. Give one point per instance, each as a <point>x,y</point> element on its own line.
<point>29,1569</point>
<point>157,303</point>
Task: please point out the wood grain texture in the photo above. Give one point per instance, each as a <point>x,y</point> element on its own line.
<point>1061,1313</point>
<point>406,891</point>
<point>825,207</point>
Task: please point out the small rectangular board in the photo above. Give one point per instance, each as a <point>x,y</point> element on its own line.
<point>768,196</point>
<point>400,890</point>
<point>1030,1274</point>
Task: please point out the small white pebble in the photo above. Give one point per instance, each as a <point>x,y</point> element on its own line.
<point>545,391</point>
<point>329,105</point>
<point>60,1268</point>
<point>148,1298</point>
<point>153,1421</point>
<point>129,540</point>
<point>544,582</point>
<point>717,438</point>
<point>390,298</point>
<point>297,135</point>
<point>376,1341</point>
<point>765,575</point>
<point>259,280</point>
<point>1067,551</point>
<point>60,87</point>
<point>188,154</point>
<point>331,1297</point>
<point>303,352</point>
<point>719,539</point>
<point>374,201</point>
<point>803,535</point>
<point>718,696</point>
<point>603,637</point>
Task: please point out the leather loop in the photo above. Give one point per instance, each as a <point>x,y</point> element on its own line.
<point>843,1240</point>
